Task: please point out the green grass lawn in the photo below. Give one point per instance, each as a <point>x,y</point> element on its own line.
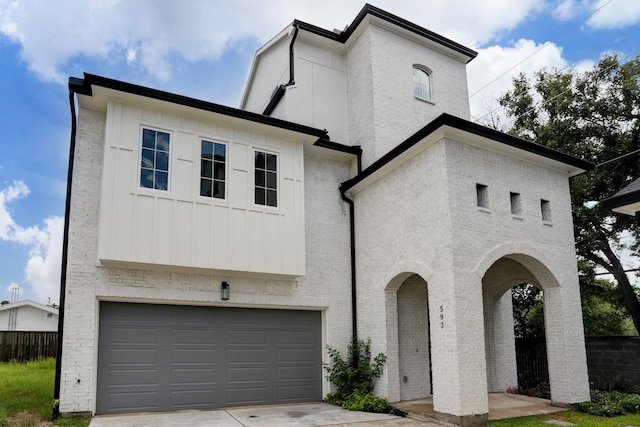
<point>26,400</point>
<point>578,418</point>
<point>26,395</point>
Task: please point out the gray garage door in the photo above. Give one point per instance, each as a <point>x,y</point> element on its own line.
<point>162,357</point>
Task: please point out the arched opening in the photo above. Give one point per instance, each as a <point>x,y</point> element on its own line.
<point>414,348</point>
<point>506,279</point>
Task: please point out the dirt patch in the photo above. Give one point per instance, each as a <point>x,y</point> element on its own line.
<point>25,419</point>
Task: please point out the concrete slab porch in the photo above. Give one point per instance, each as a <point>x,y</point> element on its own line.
<point>501,405</point>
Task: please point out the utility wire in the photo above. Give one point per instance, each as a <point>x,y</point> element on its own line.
<point>531,55</point>
<point>636,53</point>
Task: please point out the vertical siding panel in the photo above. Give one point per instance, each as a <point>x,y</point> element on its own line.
<point>144,243</point>
<point>183,226</point>
<point>202,235</point>
<point>256,241</point>
<point>238,244</point>
<point>220,238</point>
<point>163,226</point>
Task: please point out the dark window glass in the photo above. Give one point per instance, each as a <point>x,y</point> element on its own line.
<point>272,198</point>
<point>266,179</point>
<point>213,158</point>
<point>154,162</point>
<point>207,150</point>
<point>260,160</point>
<point>260,196</point>
<point>205,168</point>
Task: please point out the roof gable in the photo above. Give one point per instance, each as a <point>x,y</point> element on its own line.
<point>448,125</point>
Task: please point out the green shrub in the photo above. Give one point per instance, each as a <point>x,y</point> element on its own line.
<point>354,377</point>
<point>611,404</point>
<point>358,372</point>
<point>365,401</point>
<point>631,403</point>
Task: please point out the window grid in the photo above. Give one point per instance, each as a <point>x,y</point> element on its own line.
<point>266,179</point>
<point>213,159</point>
<point>421,83</point>
<point>154,163</point>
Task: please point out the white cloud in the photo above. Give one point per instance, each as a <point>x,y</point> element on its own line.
<point>489,78</point>
<point>54,32</point>
<point>615,14</point>
<point>44,245</point>
<point>568,9</point>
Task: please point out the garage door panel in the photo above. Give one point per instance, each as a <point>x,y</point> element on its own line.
<point>296,338</point>
<point>159,358</point>
<point>136,356</point>
<point>184,314</point>
<point>145,401</point>
<point>247,356</point>
<point>296,393</point>
<point>301,373</point>
<point>138,336</point>
<point>296,355</point>
<point>182,399</point>
<point>192,355</point>
<point>247,337</point>
<point>246,374</point>
<point>129,377</point>
<point>247,396</point>
<point>193,376</point>
<point>192,337</point>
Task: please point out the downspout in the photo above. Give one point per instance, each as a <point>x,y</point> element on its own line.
<point>278,93</point>
<point>65,250</point>
<point>352,236</point>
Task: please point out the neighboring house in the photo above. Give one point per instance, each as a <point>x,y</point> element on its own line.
<point>28,316</point>
<point>626,201</point>
<point>211,253</point>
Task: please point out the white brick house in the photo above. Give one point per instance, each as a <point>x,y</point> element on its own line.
<point>212,253</point>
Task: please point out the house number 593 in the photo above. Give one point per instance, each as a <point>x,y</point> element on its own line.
<point>441,317</point>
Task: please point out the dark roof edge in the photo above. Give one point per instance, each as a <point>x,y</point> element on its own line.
<point>368,9</point>
<point>616,201</point>
<point>350,149</point>
<point>84,87</point>
<point>476,129</point>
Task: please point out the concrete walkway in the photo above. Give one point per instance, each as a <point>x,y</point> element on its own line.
<point>501,405</point>
<point>299,415</point>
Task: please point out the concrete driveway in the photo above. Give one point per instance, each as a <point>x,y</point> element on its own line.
<point>299,415</point>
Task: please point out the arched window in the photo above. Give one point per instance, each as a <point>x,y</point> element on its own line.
<point>421,82</point>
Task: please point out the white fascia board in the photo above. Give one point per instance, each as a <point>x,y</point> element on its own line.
<point>276,40</point>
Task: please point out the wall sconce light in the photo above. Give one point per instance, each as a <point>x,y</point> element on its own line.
<point>225,291</point>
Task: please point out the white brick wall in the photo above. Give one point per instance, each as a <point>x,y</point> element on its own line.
<point>424,213</point>
<point>325,287</point>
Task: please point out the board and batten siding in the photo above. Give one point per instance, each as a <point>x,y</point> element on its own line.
<point>180,228</point>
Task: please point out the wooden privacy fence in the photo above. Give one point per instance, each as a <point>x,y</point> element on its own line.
<point>21,346</point>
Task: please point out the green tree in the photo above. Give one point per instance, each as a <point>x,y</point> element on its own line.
<point>593,115</point>
<point>527,311</point>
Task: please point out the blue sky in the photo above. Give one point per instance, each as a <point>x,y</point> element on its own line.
<point>204,49</point>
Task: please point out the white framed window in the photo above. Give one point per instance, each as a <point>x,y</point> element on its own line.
<point>213,169</point>
<point>266,178</point>
<point>154,159</point>
<point>421,82</point>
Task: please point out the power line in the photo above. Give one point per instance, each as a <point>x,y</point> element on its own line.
<point>636,53</point>
<point>531,55</point>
